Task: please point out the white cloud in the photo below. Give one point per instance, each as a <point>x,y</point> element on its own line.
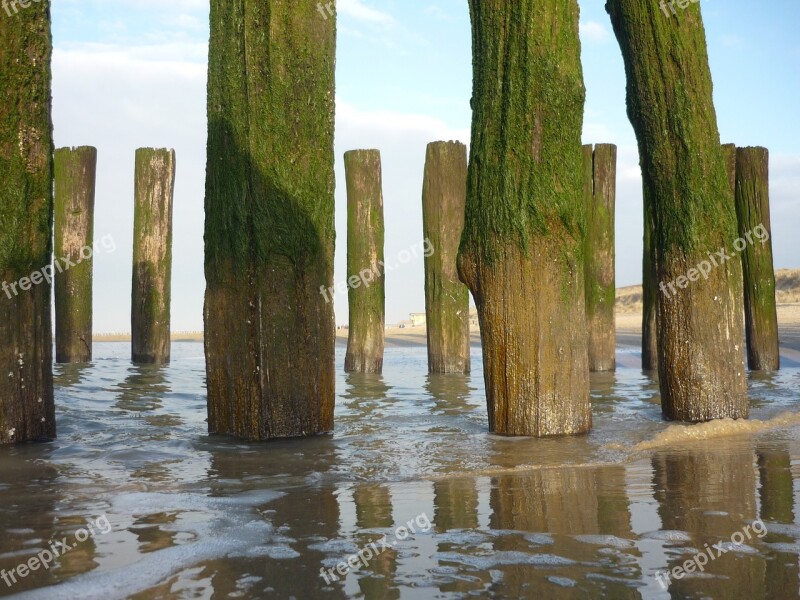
<point>361,12</point>
<point>594,31</point>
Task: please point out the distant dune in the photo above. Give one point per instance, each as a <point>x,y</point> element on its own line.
<point>787,291</point>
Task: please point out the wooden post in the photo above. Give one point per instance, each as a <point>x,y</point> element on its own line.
<point>650,291</point>
<point>700,324</point>
<point>755,232</point>
<point>444,191</point>
<point>27,411</point>
<point>152,255</point>
<point>365,272</point>
<point>269,229</point>
<point>599,198</point>
<point>75,171</point>
<point>521,252</point>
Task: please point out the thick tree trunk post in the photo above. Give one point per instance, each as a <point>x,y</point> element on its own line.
<point>650,292</point>
<point>601,291</point>
<point>444,192</point>
<point>365,274</point>
<point>752,210</point>
<point>521,252</point>
<point>152,255</point>
<point>27,411</point>
<point>269,233</point>
<point>75,171</point>
<point>700,325</point>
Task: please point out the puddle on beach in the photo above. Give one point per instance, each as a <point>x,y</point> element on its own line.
<point>411,480</point>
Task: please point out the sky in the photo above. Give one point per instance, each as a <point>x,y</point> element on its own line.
<point>132,73</point>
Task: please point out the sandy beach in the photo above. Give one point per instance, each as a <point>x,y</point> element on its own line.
<point>629,332</point>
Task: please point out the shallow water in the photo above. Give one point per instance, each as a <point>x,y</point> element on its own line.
<point>194,516</point>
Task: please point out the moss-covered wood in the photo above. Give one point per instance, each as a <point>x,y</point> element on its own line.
<point>600,187</point>
<point>154,185</point>
<point>75,174</point>
<point>670,104</point>
<point>444,191</point>
<point>27,411</point>
<point>755,229</point>
<point>269,233</point>
<point>365,273</point>
<point>650,291</point>
<point>521,252</point>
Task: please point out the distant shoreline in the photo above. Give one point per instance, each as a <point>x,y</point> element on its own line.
<point>629,332</point>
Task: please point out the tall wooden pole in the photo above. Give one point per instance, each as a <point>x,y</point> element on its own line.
<point>365,272</point>
<point>75,172</point>
<point>650,291</point>
<point>269,232</point>
<point>521,251</point>
<point>27,411</point>
<point>601,290</point>
<point>152,255</point>
<point>671,108</point>
<point>755,231</point>
<point>444,191</point>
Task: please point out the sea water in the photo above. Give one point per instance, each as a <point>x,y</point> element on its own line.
<point>411,497</point>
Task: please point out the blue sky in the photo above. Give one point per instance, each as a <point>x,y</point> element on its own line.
<point>131,73</point>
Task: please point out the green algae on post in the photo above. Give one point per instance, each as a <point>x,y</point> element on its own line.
<point>444,192</point>
<point>752,210</point>
<point>269,228</point>
<point>152,255</point>
<point>600,174</point>
<point>75,173</point>
<point>521,252</point>
<point>27,411</point>
<point>670,105</point>
<point>365,274</point>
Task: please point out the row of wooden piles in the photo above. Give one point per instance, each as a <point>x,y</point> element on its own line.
<point>536,268</point>
<point>74,200</point>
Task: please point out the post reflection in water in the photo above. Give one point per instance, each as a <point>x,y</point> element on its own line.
<point>776,493</point>
<point>578,519</point>
<point>709,493</point>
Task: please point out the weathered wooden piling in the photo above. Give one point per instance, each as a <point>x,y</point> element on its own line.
<point>365,273</point>
<point>75,173</point>
<point>444,191</point>
<point>152,255</point>
<point>521,252</point>
<point>650,291</point>
<point>27,411</point>
<point>269,230</point>
<point>755,230</point>
<point>599,194</point>
<point>700,324</point>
